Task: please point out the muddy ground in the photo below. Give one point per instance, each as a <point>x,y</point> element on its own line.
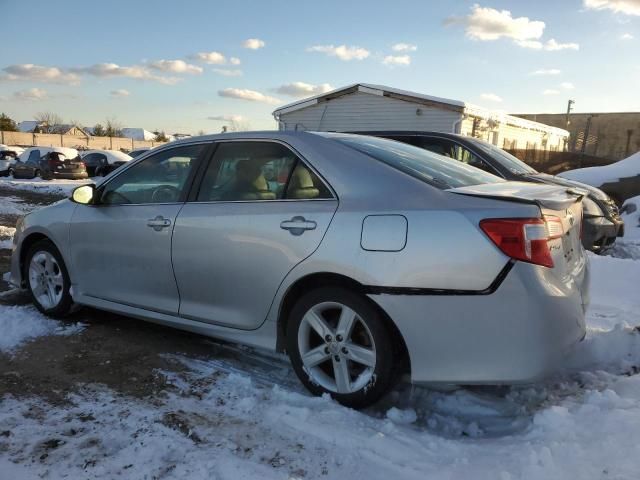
<point>122,353</point>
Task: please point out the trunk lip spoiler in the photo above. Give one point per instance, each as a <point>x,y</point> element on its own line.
<point>551,203</point>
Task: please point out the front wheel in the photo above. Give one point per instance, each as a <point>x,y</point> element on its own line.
<point>338,344</point>
<point>48,280</point>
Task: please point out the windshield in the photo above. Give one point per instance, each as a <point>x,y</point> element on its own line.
<point>430,167</point>
<point>505,158</point>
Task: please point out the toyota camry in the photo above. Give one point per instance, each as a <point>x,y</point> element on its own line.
<point>362,258</point>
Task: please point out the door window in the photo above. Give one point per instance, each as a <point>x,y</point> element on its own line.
<point>34,156</point>
<point>245,171</point>
<point>160,178</point>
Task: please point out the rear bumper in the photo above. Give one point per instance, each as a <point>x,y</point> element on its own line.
<point>70,175</point>
<point>518,334</point>
<point>600,232</point>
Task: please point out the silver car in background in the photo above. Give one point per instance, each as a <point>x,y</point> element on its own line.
<point>361,258</point>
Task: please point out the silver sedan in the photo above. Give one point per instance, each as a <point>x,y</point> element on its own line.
<point>362,258</point>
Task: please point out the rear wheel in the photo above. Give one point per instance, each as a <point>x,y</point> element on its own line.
<point>338,344</point>
<point>47,280</point>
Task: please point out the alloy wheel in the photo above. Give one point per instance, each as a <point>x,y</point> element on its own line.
<point>337,348</point>
<point>46,280</point>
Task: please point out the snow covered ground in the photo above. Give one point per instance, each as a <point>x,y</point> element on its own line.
<point>224,419</point>
<point>246,416</point>
<point>56,186</point>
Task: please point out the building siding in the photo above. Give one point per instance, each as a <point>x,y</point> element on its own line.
<point>362,111</point>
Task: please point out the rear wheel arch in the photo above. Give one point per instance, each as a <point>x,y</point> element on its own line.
<point>328,279</point>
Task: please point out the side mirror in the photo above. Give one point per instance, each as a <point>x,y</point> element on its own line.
<point>84,194</point>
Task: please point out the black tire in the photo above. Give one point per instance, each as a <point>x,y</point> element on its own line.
<point>65,306</point>
<point>383,372</point>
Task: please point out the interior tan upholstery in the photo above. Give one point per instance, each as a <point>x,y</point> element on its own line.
<point>250,182</point>
<point>302,184</point>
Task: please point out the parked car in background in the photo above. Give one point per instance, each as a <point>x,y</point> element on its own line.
<point>602,224</point>
<point>100,163</point>
<point>362,258</point>
<point>138,151</point>
<point>8,157</point>
<point>49,163</point>
<point>620,180</point>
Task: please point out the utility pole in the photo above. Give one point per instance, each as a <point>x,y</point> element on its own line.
<point>570,104</point>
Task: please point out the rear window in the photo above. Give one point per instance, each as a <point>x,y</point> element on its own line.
<point>419,163</point>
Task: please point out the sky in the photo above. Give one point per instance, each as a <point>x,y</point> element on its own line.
<point>195,66</point>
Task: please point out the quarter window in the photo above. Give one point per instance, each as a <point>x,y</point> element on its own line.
<point>160,178</point>
<point>245,171</point>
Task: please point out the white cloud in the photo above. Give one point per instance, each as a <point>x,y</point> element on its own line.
<point>546,71</point>
<point>397,60</point>
<point>250,95</point>
<point>226,118</point>
<point>38,73</point>
<point>176,66</point>
<point>490,24</point>
<point>234,61</point>
<point>31,94</point>
<point>552,45</point>
<point>629,7</point>
<point>138,72</point>
<point>492,97</point>
<point>212,58</point>
<point>301,89</point>
<point>343,52</point>
<point>253,43</point>
<point>567,85</point>
<point>119,93</point>
<point>626,36</point>
<point>404,47</point>
<point>228,72</point>
<point>551,91</point>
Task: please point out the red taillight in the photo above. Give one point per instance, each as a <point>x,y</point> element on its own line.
<point>524,238</point>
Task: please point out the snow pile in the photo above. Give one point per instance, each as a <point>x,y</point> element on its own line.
<point>632,220</point>
<point>6,236</point>
<point>21,324</point>
<point>597,176</point>
<point>56,186</point>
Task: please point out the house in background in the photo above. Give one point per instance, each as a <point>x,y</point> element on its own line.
<point>362,107</point>
<point>34,126</point>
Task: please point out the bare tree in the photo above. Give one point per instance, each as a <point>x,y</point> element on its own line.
<point>47,121</point>
<point>113,128</point>
<point>238,125</point>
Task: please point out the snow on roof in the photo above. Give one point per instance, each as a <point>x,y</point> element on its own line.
<point>464,107</point>
<point>138,134</point>
<point>27,126</point>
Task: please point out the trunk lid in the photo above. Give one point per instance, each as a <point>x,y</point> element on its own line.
<point>544,195</point>
<point>560,207</point>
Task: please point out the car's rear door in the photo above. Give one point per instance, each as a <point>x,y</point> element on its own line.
<point>260,210</point>
<point>121,247</point>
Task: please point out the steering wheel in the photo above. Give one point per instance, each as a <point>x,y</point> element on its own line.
<point>165,194</point>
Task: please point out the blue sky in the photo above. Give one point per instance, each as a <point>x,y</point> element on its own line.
<point>518,56</point>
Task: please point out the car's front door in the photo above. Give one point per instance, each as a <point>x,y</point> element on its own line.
<point>260,210</point>
<point>121,247</point>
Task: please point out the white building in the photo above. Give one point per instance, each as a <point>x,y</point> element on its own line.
<point>363,107</point>
<point>138,134</point>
